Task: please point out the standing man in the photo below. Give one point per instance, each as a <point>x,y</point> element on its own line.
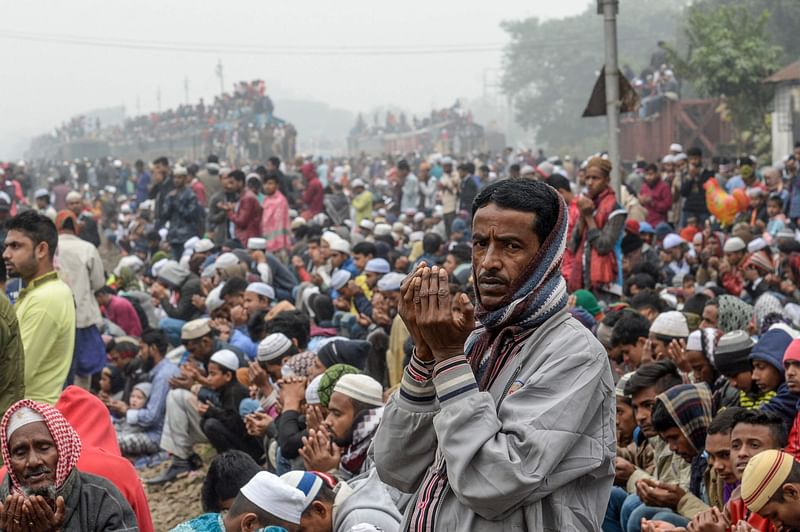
<point>409,185</point>
<point>142,179</point>
<point>449,185</point>
<point>244,216</point>
<point>509,426</point>
<point>597,238</point>
<point>87,229</point>
<point>81,268</point>
<point>42,197</point>
<point>183,213</point>
<point>275,217</point>
<point>45,307</point>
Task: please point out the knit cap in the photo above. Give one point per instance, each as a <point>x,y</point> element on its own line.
<point>764,475</point>
<point>587,301</point>
<point>329,380</point>
<point>733,351</point>
<point>145,388</point>
<point>672,324</point>
<point>793,351</point>
<point>273,347</point>
<point>770,348</point>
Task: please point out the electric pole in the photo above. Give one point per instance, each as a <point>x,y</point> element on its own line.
<point>186,88</point>
<point>609,10</point>
<point>138,106</point>
<point>221,78</point>
<point>158,98</point>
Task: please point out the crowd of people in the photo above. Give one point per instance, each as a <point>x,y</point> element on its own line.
<point>425,342</point>
<point>241,125</point>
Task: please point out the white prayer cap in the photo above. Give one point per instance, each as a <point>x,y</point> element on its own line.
<point>668,159</point>
<point>262,289</point>
<point>357,183</point>
<point>340,244</point>
<point>273,347</point>
<point>312,391</point>
<point>22,417</point>
<point>203,246</point>
<point>383,229</point>
<point>360,387</point>
<point>672,240</point>
<point>274,496</point>
<point>391,282</point>
<point>378,265</point>
<point>41,193</point>
<point>256,243</point>
<point>214,300</point>
<point>74,196</point>
<point>420,216</point>
<point>675,147</point>
<point>307,482</point>
<point>339,279</point>
<point>681,157</point>
<point>225,260</point>
<point>226,358</point>
<point>367,224</point>
<point>158,265</point>
<point>694,343</point>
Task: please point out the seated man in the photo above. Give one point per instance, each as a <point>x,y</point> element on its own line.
<point>771,488</point>
<point>43,490</point>
<point>264,501</point>
<point>342,506</point>
<point>354,413</point>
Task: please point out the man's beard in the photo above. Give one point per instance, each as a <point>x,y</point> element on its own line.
<point>343,442</point>
<point>48,492</point>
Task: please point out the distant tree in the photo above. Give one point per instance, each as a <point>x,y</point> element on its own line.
<point>729,54</point>
<point>550,66</point>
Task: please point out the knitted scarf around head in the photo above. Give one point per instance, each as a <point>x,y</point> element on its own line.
<point>67,441</point>
<point>537,295</point>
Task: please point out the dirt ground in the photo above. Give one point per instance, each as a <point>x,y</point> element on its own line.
<point>174,502</point>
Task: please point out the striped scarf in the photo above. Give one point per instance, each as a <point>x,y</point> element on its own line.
<point>690,406</point>
<point>537,295</point>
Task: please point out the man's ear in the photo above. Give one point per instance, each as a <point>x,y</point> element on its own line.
<point>319,508</point>
<point>249,523</point>
<point>641,341</point>
<point>791,492</point>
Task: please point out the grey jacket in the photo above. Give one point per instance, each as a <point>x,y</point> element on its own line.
<point>364,499</point>
<point>536,452</point>
<point>92,504</point>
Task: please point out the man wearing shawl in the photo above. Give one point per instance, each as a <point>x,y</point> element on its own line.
<point>597,237</point>
<point>509,426</point>
<point>681,416</point>
<point>47,492</point>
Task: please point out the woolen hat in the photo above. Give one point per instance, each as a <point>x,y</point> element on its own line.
<point>732,354</point>
<point>646,228</point>
<point>360,387</point>
<point>770,348</point>
<point>631,243</point>
<point>145,388</point>
<point>793,351</point>
<point>672,324</point>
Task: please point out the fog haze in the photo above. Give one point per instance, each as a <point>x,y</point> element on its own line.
<point>352,55</point>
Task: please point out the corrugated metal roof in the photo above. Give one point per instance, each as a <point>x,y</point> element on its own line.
<point>787,73</point>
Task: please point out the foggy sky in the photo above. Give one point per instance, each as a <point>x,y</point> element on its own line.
<point>45,83</point>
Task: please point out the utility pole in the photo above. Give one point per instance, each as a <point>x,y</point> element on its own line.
<point>609,9</point>
<point>138,106</point>
<point>221,78</point>
<point>186,88</point>
<point>158,98</point>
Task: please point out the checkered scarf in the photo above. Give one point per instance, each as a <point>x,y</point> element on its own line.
<point>68,443</point>
<point>690,406</point>
<point>537,295</point>
<point>364,428</point>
